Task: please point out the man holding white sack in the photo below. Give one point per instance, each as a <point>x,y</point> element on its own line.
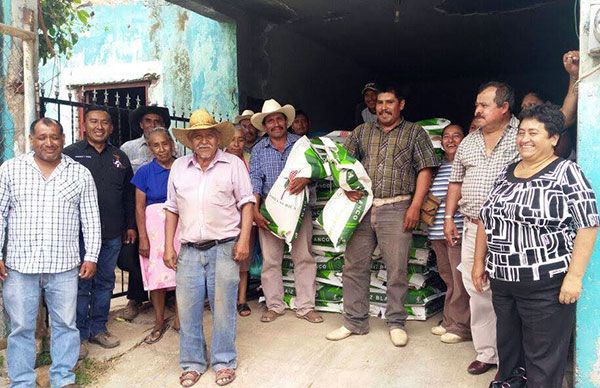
<point>267,161</point>
<point>399,158</point>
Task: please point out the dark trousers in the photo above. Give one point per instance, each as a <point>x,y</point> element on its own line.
<point>94,295</point>
<point>533,329</point>
<point>135,287</point>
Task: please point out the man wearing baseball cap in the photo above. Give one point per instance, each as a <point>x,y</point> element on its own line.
<point>368,115</point>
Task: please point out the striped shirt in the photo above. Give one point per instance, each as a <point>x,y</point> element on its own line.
<point>477,171</point>
<point>439,188</point>
<point>266,163</point>
<point>44,215</point>
<point>392,159</point>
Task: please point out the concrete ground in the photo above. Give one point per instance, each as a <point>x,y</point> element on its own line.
<point>294,353</point>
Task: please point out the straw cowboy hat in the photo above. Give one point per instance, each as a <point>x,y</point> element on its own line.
<point>200,120</point>
<point>136,115</point>
<point>270,107</point>
<point>246,114</point>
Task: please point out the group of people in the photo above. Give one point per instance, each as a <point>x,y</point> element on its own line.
<point>512,236</point>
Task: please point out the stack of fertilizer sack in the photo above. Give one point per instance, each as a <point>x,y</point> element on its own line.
<point>426,289</point>
<point>425,297</point>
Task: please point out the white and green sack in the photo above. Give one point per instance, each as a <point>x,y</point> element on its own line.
<point>283,210</point>
<point>341,216</point>
<point>319,159</point>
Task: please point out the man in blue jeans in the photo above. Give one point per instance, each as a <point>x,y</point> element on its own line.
<point>46,198</point>
<point>209,194</point>
<point>112,174</point>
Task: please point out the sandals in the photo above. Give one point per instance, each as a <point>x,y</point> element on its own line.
<point>270,316</point>
<point>225,376</point>
<point>243,309</point>
<point>189,378</point>
<point>156,334</point>
<point>312,316</point>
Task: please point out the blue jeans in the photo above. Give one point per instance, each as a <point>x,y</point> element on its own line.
<point>216,271</point>
<point>21,300</point>
<point>93,297</point>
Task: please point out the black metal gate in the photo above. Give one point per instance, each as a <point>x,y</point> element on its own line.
<point>73,112</point>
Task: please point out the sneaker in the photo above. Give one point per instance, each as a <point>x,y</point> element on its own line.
<point>83,351</point>
<point>106,340</point>
<point>399,337</point>
<point>438,330</point>
<point>338,334</point>
<point>131,310</point>
<point>450,338</point>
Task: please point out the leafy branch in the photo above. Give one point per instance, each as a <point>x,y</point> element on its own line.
<point>60,22</point>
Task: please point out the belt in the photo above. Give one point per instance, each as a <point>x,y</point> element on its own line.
<point>206,245</point>
<point>472,220</point>
<point>386,201</point>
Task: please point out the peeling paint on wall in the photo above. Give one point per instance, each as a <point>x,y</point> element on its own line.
<point>194,58</point>
<point>182,18</point>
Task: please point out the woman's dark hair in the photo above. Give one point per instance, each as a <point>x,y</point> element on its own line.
<point>547,114</point>
<point>464,132</point>
<point>541,96</point>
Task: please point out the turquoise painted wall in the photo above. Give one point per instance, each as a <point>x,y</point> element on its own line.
<point>198,55</point>
<point>6,119</point>
<point>588,307</point>
<point>587,373</point>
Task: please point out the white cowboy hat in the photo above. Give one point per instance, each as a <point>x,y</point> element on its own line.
<point>246,114</point>
<point>201,119</point>
<point>270,107</point>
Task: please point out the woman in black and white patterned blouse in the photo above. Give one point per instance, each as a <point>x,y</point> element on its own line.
<point>538,230</point>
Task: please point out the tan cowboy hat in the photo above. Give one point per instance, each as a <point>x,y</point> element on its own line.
<point>270,107</point>
<point>246,114</point>
<point>201,119</point>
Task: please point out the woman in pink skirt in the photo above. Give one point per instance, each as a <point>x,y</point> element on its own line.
<point>151,192</point>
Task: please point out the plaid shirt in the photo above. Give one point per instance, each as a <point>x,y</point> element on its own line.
<point>477,171</point>
<point>266,163</point>
<point>44,216</point>
<point>392,159</point>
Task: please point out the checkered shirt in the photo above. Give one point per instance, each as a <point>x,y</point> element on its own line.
<point>44,216</point>
<point>478,172</point>
<point>392,159</point>
<point>266,163</point>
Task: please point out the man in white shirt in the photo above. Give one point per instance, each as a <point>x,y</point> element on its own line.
<point>46,198</point>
